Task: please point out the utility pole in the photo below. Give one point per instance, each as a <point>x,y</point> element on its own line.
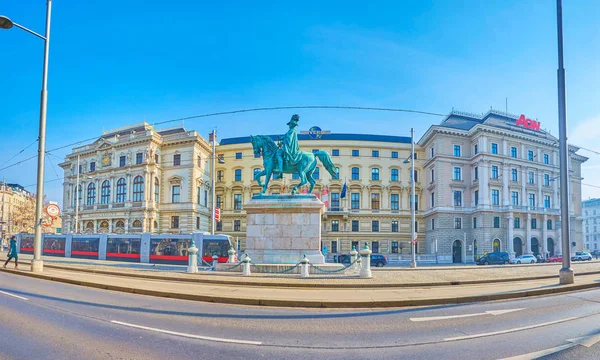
<point>2,218</point>
<point>77,197</point>
<point>213,138</point>
<point>413,202</point>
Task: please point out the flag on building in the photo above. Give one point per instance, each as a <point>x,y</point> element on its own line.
<point>343,195</point>
<point>325,197</point>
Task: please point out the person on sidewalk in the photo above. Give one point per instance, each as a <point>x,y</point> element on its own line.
<point>12,252</point>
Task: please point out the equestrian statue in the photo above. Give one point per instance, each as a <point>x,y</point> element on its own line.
<point>285,157</point>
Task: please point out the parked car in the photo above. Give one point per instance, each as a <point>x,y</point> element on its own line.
<point>555,258</point>
<point>378,260</point>
<point>525,259</point>
<point>494,258</point>
<point>581,256</point>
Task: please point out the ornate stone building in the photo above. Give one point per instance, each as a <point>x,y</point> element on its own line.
<point>591,209</point>
<point>137,179</point>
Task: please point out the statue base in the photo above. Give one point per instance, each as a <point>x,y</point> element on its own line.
<point>281,229</point>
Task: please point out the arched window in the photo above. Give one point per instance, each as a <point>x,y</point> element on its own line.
<point>89,225</point>
<point>105,198</point>
<point>496,245</point>
<point>138,188</point>
<point>121,190</point>
<point>120,224</point>
<point>156,191</point>
<point>375,174</point>
<point>137,224</point>
<point>91,194</point>
<point>355,173</point>
<point>104,225</point>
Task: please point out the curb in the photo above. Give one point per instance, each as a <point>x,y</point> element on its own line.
<point>307,284</point>
<point>316,303</point>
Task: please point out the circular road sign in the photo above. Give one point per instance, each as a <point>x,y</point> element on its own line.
<point>53,210</point>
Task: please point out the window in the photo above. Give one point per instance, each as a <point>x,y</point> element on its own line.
<point>546,159</point>
<point>514,198</point>
<point>547,201</point>
<point>546,180</point>
<point>416,203</point>
<point>121,190</point>
<point>394,226</point>
<point>549,224</point>
<point>457,198</point>
<point>254,172</point>
<point>219,226</point>
<point>394,154</point>
<point>394,247</point>
<point>375,174</point>
<point>354,152</point>
<point>156,190</point>
<point>138,188</point>
<point>432,224</point>
<point>530,155</point>
<point>335,225</point>
<point>474,223</point>
<point>513,152</point>
<point>237,201</point>
<point>494,172</point>
<point>92,166</point>
<point>335,152</point>
<point>354,225</point>
<point>475,149</point>
<point>236,225</point>
<point>78,196</point>
<point>476,173</point>
<point>494,148</point>
<point>532,200</point>
<point>496,222</point>
<point>514,175</point>
<point>476,197</point>
<point>375,201</point>
<point>416,174</point>
<point>375,225</point>
<point>432,152</point>
<point>176,159</point>
<point>433,199</point>
<point>105,192</point>
<point>220,176</point>
<point>495,197</point>
<point>238,175</point>
<point>457,150</point>
<point>156,158</point>
<point>530,177</point>
<point>432,175</point>
<point>517,223</point>
<point>334,247</point>
<point>457,174</point>
<point>355,201</point>
<point>415,156</point>
<point>335,201</point>
<point>174,222</point>
<point>355,173</point>
<point>197,222</point>
<point>138,158</point>
<point>91,194</point>
<point>533,224</point>
<point>375,247</point>
<point>238,155</point>
<point>80,169</point>
<point>374,153</point>
<point>175,193</point>
<point>394,175</point>
<point>219,201</point>
<point>458,223</point>
<point>315,174</point>
<point>337,174</point>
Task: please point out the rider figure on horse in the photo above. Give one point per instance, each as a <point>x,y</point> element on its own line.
<point>289,151</point>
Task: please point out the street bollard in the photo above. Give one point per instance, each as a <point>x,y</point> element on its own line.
<point>353,255</point>
<point>304,267</point>
<point>246,266</point>
<point>231,254</point>
<point>215,262</point>
<point>365,254</point>
<point>192,258</point>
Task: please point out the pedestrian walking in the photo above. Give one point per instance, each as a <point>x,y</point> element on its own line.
<point>12,252</point>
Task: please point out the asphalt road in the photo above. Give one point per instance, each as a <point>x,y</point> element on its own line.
<point>48,320</point>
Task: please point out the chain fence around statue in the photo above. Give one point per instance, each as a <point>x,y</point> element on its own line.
<point>285,157</point>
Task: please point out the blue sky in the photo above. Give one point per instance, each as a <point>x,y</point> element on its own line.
<point>116,63</point>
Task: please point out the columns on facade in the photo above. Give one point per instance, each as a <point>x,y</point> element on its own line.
<point>540,180</point>
<point>365,203</point>
<point>524,199</point>
<point>129,192</point>
<point>484,198</point>
<point>528,235</point>
<point>505,147</point>
<point>110,225</point>
<point>510,235</point>
<point>484,144</point>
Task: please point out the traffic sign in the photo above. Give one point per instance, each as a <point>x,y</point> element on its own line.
<point>53,210</point>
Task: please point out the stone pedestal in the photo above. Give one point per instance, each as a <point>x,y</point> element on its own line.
<point>281,229</point>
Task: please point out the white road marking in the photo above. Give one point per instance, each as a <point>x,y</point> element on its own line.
<point>586,341</point>
<point>509,330</point>
<point>490,312</point>
<point>13,295</point>
<point>246,342</point>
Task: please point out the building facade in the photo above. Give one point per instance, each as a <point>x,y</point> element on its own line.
<point>591,216</point>
<point>375,208</point>
<point>136,179</point>
<point>492,185</point>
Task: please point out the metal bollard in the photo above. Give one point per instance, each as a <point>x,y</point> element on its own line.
<point>365,254</point>
<point>231,254</point>
<point>246,266</point>
<point>304,267</point>
<point>215,262</point>
<point>192,258</point>
<point>353,255</point>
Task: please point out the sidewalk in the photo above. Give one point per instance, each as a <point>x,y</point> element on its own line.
<point>289,295</point>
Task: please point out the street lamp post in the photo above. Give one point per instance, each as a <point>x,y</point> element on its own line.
<point>37,264</point>
<point>413,264</point>
<point>213,138</point>
<point>566,274</point>
<point>77,197</point>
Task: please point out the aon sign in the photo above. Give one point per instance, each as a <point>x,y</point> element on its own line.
<point>528,123</point>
